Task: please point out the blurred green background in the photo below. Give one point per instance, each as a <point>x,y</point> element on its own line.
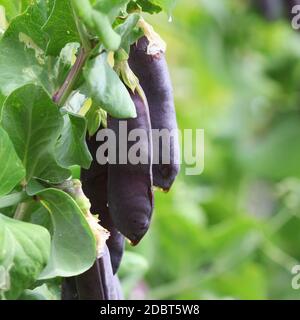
<point>234,231</point>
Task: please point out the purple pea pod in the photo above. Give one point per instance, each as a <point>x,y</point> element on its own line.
<point>130,195</point>
<point>94,183</point>
<point>153,74</point>
<point>69,289</point>
<point>119,291</point>
<point>98,283</point>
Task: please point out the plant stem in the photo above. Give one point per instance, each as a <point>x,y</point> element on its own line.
<point>82,32</point>
<point>61,96</point>
<point>63,93</point>
<point>21,210</point>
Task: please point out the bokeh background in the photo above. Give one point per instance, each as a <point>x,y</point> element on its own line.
<point>234,231</point>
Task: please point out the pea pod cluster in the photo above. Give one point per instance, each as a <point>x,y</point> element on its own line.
<point>121,193</point>
<point>94,184</point>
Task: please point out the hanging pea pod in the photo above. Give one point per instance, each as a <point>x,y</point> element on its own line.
<point>98,283</point>
<point>130,196</point>
<point>152,70</point>
<point>69,289</point>
<point>94,182</point>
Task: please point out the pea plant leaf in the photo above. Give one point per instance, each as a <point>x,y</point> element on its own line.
<point>12,170</point>
<point>71,148</point>
<point>155,6</point>
<point>24,252</point>
<point>40,293</point>
<point>71,236</point>
<point>2,98</point>
<point>34,123</point>
<point>107,90</point>
<point>111,8</point>
<point>128,32</point>
<point>150,6</point>
<point>22,56</point>
<point>14,7</point>
<point>94,118</point>
<point>61,27</point>
<point>60,66</point>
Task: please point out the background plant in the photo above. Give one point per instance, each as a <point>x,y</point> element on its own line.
<point>233,231</point>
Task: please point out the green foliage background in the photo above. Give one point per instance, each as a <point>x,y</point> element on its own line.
<point>232,232</point>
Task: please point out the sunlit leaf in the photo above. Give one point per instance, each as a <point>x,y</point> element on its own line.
<point>12,170</point>
<point>24,252</point>
<point>107,90</point>
<point>71,148</point>
<point>61,27</point>
<point>33,123</point>
<point>73,248</point>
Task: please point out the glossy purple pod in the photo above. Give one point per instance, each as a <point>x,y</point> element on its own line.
<point>98,283</point>
<point>130,195</point>
<point>94,183</point>
<point>153,74</point>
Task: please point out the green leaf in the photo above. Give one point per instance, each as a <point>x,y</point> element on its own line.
<point>156,6</point>
<point>149,6</point>
<point>107,90</point>
<point>94,118</point>
<point>14,7</point>
<point>75,172</point>
<point>22,58</point>
<point>2,99</point>
<point>11,7</point>
<point>12,170</point>
<point>24,252</point>
<point>39,293</point>
<point>12,199</point>
<point>36,213</point>
<point>61,27</point>
<point>128,32</point>
<point>73,249</point>
<point>71,148</point>
<point>34,186</point>
<point>111,8</point>
<point>59,67</point>
<point>33,123</point>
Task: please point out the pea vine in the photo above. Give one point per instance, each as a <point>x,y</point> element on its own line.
<point>64,67</point>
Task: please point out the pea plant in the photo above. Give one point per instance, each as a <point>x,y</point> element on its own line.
<point>69,70</point>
